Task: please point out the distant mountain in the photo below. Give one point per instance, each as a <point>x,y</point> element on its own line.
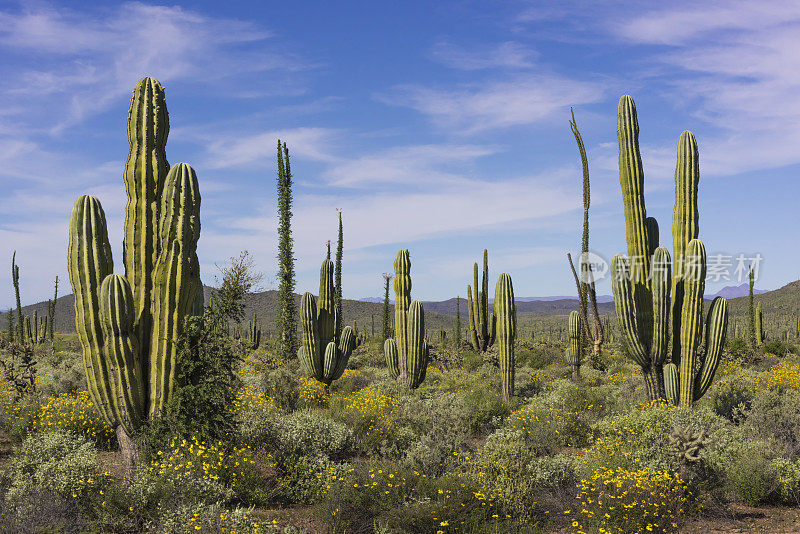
<point>732,292</point>
<point>374,299</point>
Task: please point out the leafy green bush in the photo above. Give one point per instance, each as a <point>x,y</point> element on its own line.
<point>304,478</point>
<point>753,476</point>
<point>625,501</point>
<point>308,431</point>
<point>775,415</point>
<point>60,462</point>
<point>788,479</point>
<point>283,386</point>
<point>732,393</point>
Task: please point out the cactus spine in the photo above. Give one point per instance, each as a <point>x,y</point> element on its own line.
<point>481,324</point>
<point>642,282</point>
<point>320,355</point>
<point>505,312</point>
<point>407,353</point>
<point>129,326</point>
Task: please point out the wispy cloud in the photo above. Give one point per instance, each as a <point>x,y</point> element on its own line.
<point>508,55</point>
<point>87,60</point>
<point>476,107</point>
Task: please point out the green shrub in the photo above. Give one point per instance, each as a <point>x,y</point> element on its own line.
<point>788,479</point>
<point>60,462</point>
<point>775,415</point>
<point>308,431</point>
<point>625,501</point>
<point>753,476</point>
<point>305,477</point>
<point>731,394</point>
<point>282,385</point>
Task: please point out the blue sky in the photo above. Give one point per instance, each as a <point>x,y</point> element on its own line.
<point>438,127</point>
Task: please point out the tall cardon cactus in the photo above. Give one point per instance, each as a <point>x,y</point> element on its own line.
<point>481,324</point>
<point>759,325</point>
<point>129,325</point>
<point>643,281</point>
<point>505,312</point>
<point>406,353</point>
<point>574,354</point>
<point>320,356</point>
<point>254,336</point>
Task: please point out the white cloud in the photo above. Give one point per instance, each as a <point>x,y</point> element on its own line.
<point>477,107</point>
<point>509,55</point>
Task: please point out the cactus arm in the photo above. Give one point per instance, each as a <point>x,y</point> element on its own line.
<point>89,262</point>
<point>122,351</point>
<point>625,310</point>
<point>390,351</point>
<point>691,317</point>
<point>312,348</point>
<point>652,236</point>
<point>631,177</point>
<point>473,333</point>
<point>326,305</point>
<point>175,277</point>
<point>505,313</point>
<point>346,343</point>
<point>486,328</point>
<point>330,360</point>
<point>716,326</point>
<point>145,173</point>
<point>402,301</point>
<point>661,280</point>
<point>416,343</point>
<point>685,225</point>
<point>672,383</point>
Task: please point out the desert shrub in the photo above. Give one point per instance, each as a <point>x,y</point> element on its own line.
<point>256,417</point>
<point>74,413</point>
<point>305,477</point>
<point>370,414</point>
<point>59,462</point>
<point>395,500</point>
<point>643,500</point>
<point>781,376</point>
<point>775,415</point>
<point>640,438</point>
<point>562,417</point>
<point>484,406</point>
<point>788,479</point>
<point>191,471</point>
<point>440,425</point>
<point>38,511</point>
<point>283,387</point>
<point>774,346</point>
<point>312,394</point>
<point>503,464</point>
<point>752,475</point>
<point>307,431</point>
<point>191,518</point>
<point>731,393</point>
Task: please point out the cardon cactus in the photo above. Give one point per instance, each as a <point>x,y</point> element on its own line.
<point>407,353</point>
<point>574,354</point>
<point>505,312</point>
<point>129,325</point>
<point>481,324</point>
<point>320,356</point>
<point>254,336</point>
<point>759,325</point>
<point>643,281</point>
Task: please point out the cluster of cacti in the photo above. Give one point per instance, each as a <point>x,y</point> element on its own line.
<point>407,353</point>
<point>481,324</point>
<point>642,281</point>
<point>129,325</point>
<point>574,353</point>
<point>505,317</point>
<point>323,356</point>
<point>254,333</point>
